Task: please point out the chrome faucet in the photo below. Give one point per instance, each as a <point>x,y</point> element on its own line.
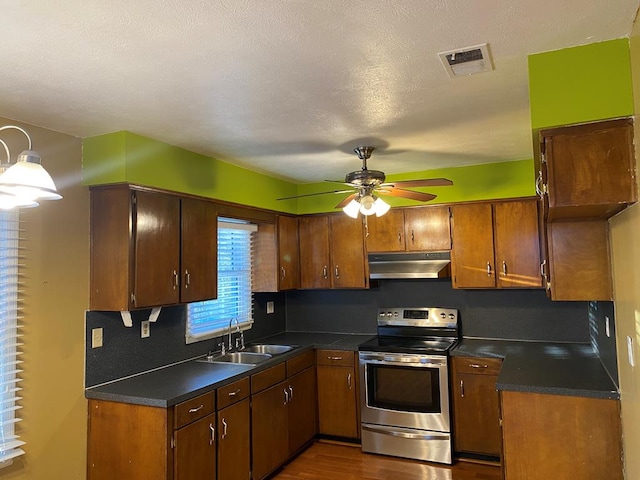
<point>230,345</point>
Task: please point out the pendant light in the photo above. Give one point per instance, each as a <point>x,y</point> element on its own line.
<point>25,182</point>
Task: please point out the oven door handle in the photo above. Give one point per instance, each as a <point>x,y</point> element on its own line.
<point>397,362</point>
<point>416,436</point>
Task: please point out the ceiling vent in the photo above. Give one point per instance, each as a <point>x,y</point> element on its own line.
<point>467,61</point>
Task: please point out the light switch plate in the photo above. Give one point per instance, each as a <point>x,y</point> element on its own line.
<point>145,329</point>
<point>270,307</point>
<point>96,338</point>
<point>632,360</point>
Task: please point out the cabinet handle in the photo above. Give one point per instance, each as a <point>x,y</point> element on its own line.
<point>477,365</point>
<point>539,184</point>
<point>194,410</point>
<point>504,268</point>
<point>234,393</point>
<point>224,430</point>
<point>543,265</point>
<point>399,237</point>
<point>175,279</point>
<point>291,391</point>
<point>337,272</point>
<point>283,273</point>
<point>334,358</point>
<point>212,438</point>
<point>461,388</point>
<point>349,381</point>
<point>187,278</point>
<point>325,272</point>
<point>286,396</point>
<point>412,236</point>
<point>488,269</point>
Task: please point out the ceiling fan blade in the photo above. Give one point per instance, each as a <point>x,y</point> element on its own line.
<point>426,182</point>
<point>314,194</point>
<point>400,192</point>
<point>346,200</point>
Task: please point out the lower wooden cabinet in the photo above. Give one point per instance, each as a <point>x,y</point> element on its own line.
<point>234,431</point>
<point>302,409</point>
<point>337,394</point>
<point>476,406</point>
<point>195,450</point>
<point>556,436</point>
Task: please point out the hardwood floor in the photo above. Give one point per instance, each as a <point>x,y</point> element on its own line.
<point>324,461</point>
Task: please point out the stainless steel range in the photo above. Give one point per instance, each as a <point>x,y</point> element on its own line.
<point>405,384</point>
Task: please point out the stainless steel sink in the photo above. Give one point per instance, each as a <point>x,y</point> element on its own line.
<point>246,358</point>
<point>270,349</point>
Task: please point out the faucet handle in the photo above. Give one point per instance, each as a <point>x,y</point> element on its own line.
<point>222,349</point>
<point>242,340</point>
<point>238,343</point>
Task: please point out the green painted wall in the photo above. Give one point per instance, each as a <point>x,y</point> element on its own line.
<point>131,158</point>
<point>580,84</point>
<point>478,182</point>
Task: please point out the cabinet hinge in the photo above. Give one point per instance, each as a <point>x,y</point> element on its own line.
<point>133,298</point>
<point>543,157</point>
<point>133,198</point>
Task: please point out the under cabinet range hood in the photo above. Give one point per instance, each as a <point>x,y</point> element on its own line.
<point>409,265</point>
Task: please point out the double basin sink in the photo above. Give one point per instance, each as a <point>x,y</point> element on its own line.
<point>251,355</point>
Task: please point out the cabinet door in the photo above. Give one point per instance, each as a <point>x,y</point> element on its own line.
<point>302,409</point>
<point>269,429</point>
<point>195,450</point>
<point>348,260</point>
<point>337,401</point>
<point>199,250</point>
<point>386,233</point>
<point>234,445</point>
<point>517,244</point>
<point>315,263</point>
<point>476,414</point>
<point>472,261</point>
<point>427,229</point>
<point>157,249</point>
<point>288,263</point>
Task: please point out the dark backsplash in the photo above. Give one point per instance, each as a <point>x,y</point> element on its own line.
<point>501,314</point>
<point>603,344</point>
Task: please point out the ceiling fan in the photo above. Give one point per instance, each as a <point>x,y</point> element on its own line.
<point>370,183</point>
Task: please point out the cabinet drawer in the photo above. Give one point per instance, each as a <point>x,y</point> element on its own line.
<point>477,365</point>
<point>194,409</point>
<point>335,357</point>
<point>268,377</point>
<point>299,363</point>
<point>232,393</point>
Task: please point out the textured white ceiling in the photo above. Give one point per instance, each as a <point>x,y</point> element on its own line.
<point>289,87</point>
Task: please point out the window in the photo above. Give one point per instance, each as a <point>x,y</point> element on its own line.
<point>211,318</point>
<point>9,232</point>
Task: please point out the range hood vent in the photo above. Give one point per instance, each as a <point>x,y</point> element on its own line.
<point>409,265</point>
<point>467,61</point>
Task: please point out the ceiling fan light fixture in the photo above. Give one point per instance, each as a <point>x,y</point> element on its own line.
<point>381,207</point>
<point>367,205</point>
<point>352,208</point>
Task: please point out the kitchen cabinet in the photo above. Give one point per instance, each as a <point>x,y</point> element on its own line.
<point>150,248</point>
<point>496,245</point>
<point>130,442</point>
<point>332,252</point>
<point>578,260</point>
<point>288,253</point>
<point>337,396</point>
<point>234,431</point>
<point>588,170</point>
<point>410,229</point>
<point>476,406</point>
<point>555,436</point>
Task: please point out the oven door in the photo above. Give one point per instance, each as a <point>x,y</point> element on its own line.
<point>405,390</point>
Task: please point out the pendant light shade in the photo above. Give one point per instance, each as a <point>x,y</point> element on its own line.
<point>26,181</point>
<point>366,204</point>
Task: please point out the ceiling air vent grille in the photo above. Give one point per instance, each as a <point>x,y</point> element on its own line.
<point>467,61</point>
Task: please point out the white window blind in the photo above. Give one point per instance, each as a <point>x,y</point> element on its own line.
<point>211,318</point>
<point>9,337</point>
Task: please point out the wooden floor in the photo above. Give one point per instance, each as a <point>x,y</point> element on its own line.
<point>328,461</point>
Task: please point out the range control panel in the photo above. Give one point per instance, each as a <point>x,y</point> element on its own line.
<point>418,317</point>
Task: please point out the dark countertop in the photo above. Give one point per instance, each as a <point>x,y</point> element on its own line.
<point>176,383</point>
<point>539,367</point>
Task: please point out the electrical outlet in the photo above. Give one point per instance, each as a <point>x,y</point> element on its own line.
<point>96,338</point>
<point>145,329</point>
<point>270,307</point>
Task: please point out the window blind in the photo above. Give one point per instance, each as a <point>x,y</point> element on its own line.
<point>211,318</point>
<point>9,337</point>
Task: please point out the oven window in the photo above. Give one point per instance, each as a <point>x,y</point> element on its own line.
<point>406,389</point>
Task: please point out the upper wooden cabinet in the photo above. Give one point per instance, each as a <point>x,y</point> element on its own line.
<point>410,229</point>
<point>588,171</point>
<point>496,245</point>
<point>150,248</point>
<point>332,252</point>
<point>288,253</point>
